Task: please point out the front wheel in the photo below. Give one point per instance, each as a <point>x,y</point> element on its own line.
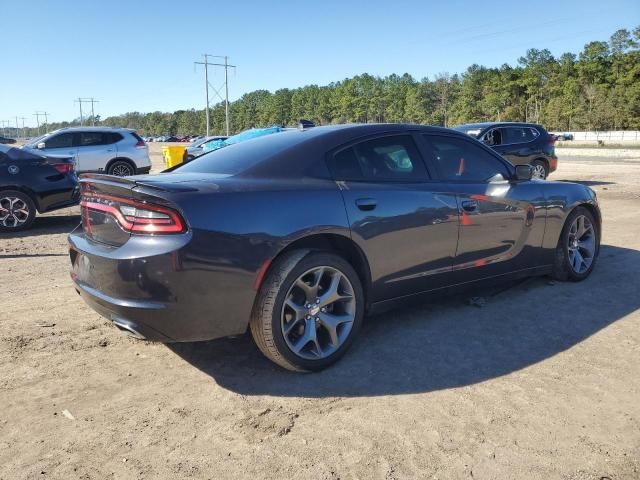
<point>309,309</point>
<point>578,246</point>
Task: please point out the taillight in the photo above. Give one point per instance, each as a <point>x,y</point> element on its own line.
<point>63,167</point>
<point>140,144</point>
<point>551,140</point>
<point>134,216</point>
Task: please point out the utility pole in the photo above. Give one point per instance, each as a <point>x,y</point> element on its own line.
<point>37,115</point>
<point>79,102</point>
<point>5,124</point>
<point>91,100</point>
<point>226,85</point>
<point>23,133</point>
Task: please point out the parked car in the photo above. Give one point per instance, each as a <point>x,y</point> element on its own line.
<point>7,141</point>
<point>296,235</point>
<point>520,143</point>
<point>116,151</point>
<point>30,183</point>
<point>563,137</point>
<point>241,137</point>
<point>172,139</point>
<point>197,147</point>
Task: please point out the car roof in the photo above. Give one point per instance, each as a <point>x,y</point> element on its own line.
<point>93,129</point>
<point>483,125</point>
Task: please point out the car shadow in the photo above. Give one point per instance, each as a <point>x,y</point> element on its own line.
<point>446,344</point>
<point>47,225</point>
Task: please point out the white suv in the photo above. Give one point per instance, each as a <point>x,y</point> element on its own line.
<point>116,151</point>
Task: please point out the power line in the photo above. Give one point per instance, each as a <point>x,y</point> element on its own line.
<point>38,115</point>
<point>90,100</point>
<point>226,67</point>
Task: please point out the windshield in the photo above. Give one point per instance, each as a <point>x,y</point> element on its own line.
<point>37,140</point>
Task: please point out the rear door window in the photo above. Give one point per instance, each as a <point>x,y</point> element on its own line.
<point>89,139</point>
<point>386,159</point>
<point>518,135</point>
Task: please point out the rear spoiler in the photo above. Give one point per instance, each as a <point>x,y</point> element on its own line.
<point>131,183</point>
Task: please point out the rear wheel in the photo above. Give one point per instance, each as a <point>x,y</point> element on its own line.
<point>308,311</point>
<point>121,168</point>
<point>540,169</point>
<point>578,247</point>
<point>17,211</point>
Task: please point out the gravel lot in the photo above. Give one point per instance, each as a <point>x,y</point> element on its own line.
<point>542,382</point>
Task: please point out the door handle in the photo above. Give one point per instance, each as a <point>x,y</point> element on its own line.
<point>366,204</point>
<point>469,205</point>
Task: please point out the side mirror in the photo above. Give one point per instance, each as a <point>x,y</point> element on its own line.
<point>524,172</point>
<point>41,146</point>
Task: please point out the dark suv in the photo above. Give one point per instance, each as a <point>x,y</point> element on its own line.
<point>520,143</point>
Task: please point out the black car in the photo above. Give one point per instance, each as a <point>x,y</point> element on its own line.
<point>520,143</point>
<point>30,182</point>
<point>296,235</point>
<point>5,140</point>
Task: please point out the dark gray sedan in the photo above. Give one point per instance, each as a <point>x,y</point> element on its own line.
<point>299,234</point>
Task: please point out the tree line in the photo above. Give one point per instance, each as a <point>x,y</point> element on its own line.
<point>597,89</point>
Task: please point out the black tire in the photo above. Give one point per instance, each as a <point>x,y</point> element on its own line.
<point>541,165</point>
<point>119,167</point>
<point>16,220</point>
<point>265,321</point>
<point>562,269</point>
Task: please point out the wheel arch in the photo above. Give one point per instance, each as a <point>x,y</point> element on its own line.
<point>26,190</point>
<point>333,243</point>
<point>594,211</point>
<point>543,160</point>
<point>124,159</point>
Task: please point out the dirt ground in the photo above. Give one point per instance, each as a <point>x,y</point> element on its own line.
<point>543,382</point>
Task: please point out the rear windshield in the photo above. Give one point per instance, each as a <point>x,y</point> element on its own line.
<point>468,129</point>
<point>237,158</point>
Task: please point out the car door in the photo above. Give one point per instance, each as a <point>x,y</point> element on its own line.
<point>404,224</point>
<point>95,150</point>
<point>64,144</point>
<point>502,221</point>
<point>517,144</point>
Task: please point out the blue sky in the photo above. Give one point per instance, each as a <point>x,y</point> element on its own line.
<point>138,55</point>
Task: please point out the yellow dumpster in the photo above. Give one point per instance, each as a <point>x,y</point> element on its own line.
<point>173,155</point>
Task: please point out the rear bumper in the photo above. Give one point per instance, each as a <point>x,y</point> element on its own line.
<point>157,289</point>
<point>553,164</point>
<point>134,317</point>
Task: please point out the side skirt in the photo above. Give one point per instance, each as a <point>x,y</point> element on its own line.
<point>424,297</point>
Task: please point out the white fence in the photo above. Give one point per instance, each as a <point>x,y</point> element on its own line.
<point>614,136</point>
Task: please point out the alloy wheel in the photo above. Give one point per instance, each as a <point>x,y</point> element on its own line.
<point>581,244</point>
<point>539,172</point>
<point>13,212</point>
<point>122,170</point>
<point>318,313</point>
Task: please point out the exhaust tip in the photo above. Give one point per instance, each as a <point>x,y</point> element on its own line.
<point>125,326</point>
